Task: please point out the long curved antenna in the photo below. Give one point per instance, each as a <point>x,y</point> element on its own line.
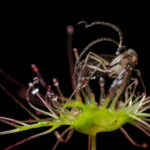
<point>95,42</point>
<point>117,29</point>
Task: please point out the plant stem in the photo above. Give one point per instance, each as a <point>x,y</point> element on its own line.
<point>93,142</point>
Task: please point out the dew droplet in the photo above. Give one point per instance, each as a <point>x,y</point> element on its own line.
<point>136,82</point>
<point>30,84</point>
<point>55,82</point>
<point>34,91</point>
<point>101,81</point>
<point>36,80</point>
<point>143,94</point>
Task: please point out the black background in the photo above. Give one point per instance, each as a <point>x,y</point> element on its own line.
<point>37,34</point>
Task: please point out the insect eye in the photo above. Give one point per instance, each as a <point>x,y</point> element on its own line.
<point>130,55</point>
<point>121,49</point>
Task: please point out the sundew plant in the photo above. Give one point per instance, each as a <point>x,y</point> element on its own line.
<point>86,111</point>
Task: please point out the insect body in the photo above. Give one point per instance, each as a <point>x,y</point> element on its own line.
<point>119,67</point>
<point>95,65</point>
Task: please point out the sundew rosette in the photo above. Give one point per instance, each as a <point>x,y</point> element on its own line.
<point>85,111</point>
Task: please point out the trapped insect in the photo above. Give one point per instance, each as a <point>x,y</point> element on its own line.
<point>94,65</point>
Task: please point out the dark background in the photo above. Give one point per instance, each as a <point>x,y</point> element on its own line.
<point>38,35</point>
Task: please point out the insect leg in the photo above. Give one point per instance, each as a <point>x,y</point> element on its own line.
<point>86,60</point>
<point>129,96</point>
<point>98,59</point>
<point>138,72</point>
<point>83,70</point>
<point>93,68</point>
<point>96,68</point>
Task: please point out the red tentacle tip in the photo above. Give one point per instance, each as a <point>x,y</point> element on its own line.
<point>55,82</point>
<point>83,80</point>
<point>30,121</point>
<point>80,99</point>
<point>70,29</point>
<point>102,90</point>
<point>108,67</point>
<point>143,94</point>
<point>36,80</point>
<point>126,73</point>
<point>37,113</point>
<point>110,91</point>
<point>14,121</point>
<point>49,88</point>
<point>34,68</point>
<point>93,95</point>
<point>138,93</point>
<point>136,82</point>
<point>101,81</point>
<point>138,73</point>
<point>75,50</point>
<point>144,145</point>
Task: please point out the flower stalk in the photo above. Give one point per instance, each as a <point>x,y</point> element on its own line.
<point>93,142</point>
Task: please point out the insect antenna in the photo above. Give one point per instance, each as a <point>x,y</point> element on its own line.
<point>117,29</point>
<point>95,42</point>
<point>119,44</point>
<point>89,46</point>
